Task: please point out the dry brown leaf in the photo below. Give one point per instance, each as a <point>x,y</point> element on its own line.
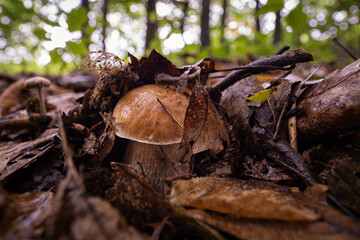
<point>154,64</point>
<point>15,154</point>
<point>23,216</point>
<point>204,129</point>
<point>238,199</point>
<point>259,210</point>
<point>272,230</point>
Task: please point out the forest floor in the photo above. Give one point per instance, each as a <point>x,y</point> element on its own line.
<point>148,150</point>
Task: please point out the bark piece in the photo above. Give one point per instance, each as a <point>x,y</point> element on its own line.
<point>332,105</point>
<point>338,167</point>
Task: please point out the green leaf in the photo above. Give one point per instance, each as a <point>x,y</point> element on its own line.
<point>296,19</point>
<point>76,19</point>
<point>260,96</point>
<point>77,48</point>
<point>40,33</point>
<point>271,6</point>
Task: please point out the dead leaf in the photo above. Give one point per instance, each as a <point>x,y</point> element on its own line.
<point>23,216</point>
<point>241,200</point>
<point>204,129</point>
<point>14,158</point>
<point>154,64</point>
<point>272,230</point>
<point>259,210</point>
<point>81,217</point>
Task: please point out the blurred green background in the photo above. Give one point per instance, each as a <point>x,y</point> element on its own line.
<point>54,36</point>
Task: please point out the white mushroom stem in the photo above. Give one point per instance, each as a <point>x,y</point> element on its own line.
<point>156,162</point>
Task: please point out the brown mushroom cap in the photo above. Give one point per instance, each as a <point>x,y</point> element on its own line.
<point>36,82</point>
<point>140,117</point>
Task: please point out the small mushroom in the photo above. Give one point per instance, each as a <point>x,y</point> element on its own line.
<point>39,83</point>
<point>152,118</point>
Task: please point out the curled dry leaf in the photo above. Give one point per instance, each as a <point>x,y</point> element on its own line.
<point>155,63</point>
<point>204,128</point>
<point>136,198</point>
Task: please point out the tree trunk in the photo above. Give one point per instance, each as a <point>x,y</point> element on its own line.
<point>105,11</point>
<point>85,35</point>
<point>205,16</point>
<point>151,23</point>
<point>223,19</point>
<point>257,18</point>
<point>185,6</point>
<point>277,34</point>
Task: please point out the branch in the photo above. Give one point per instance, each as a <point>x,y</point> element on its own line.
<point>290,58</point>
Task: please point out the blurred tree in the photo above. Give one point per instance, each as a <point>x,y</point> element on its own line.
<point>257,19</point>
<point>104,22</point>
<point>278,29</point>
<point>85,26</point>
<point>205,16</point>
<point>151,26</point>
<point>223,21</point>
<point>185,7</point>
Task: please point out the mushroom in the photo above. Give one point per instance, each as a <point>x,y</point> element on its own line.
<point>39,83</point>
<point>152,118</point>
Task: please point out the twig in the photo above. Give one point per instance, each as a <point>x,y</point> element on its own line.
<point>294,170</point>
<point>342,207</point>
<point>169,180</point>
<point>283,49</point>
<point>275,137</point>
<point>292,122</point>
<point>272,109</point>
<point>72,171</point>
<point>165,78</point>
<point>141,168</point>
<point>170,114</point>
<point>336,41</point>
<point>159,228</point>
<point>292,128</point>
<point>313,82</point>
<point>290,58</point>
